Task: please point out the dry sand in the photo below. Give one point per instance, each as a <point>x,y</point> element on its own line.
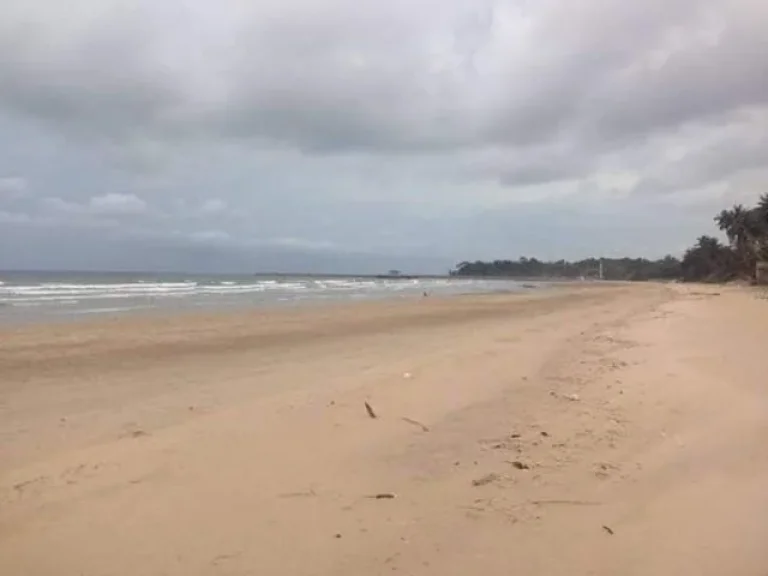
<point>602,430</point>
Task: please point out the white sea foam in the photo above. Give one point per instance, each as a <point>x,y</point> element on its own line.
<point>93,297</point>
<point>107,310</point>
<point>59,291</point>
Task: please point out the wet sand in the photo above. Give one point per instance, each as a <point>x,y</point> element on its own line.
<point>588,430</point>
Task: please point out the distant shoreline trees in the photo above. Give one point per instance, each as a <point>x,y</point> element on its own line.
<point>708,260</point>
<point>747,231</point>
<point>667,268</point>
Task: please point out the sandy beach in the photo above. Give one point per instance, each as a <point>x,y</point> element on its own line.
<point>598,430</point>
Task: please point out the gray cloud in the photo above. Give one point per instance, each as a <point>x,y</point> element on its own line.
<point>400,76</point>
<point>13,186</point>
<point>114,203</point>
<point>706,156</point>
<point>395,128</point>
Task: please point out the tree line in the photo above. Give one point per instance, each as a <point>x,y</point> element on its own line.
<point>747,233</point>
<point>612,268</point>
<point>709,260</point>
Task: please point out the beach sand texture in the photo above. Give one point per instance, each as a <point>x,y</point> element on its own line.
<point>595,430</point>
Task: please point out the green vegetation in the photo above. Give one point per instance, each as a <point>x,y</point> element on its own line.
<point>747,233</point>
<point>708,260</point>
<point>613,268</point>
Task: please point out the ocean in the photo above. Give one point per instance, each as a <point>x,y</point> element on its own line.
<point>46,296</point>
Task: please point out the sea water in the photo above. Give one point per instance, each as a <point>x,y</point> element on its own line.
<point>41,296</point>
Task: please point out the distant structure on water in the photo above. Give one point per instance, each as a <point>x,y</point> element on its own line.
<point>395,274</point>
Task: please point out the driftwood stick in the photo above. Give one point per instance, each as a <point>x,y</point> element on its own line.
<point>423,427</point>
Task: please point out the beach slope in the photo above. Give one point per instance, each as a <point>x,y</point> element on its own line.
<point>586,430</point>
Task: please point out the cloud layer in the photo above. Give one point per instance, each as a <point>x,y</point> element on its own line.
<point>447,129</point>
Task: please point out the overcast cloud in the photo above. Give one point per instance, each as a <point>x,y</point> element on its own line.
<point>237,135</point>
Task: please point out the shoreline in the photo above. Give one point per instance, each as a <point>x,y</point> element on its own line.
<point>62,298</point>
<point>235,329</point>
<point>208,311</point>
<point>510,429</point>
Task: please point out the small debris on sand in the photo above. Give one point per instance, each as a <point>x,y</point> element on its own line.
<point>608,529</point>
<point>370,411</point>
<point>487,479</point>
<point>382,496</point>
<point>565,502</point>
<point>520,465</point>
<point>423,427</point>
<point>307,494</point>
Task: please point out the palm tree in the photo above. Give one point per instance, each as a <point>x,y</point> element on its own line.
<point>709,246</point>
<point>708,259</point>
<point>725,222</point>
<point>734,223</point>
<point>741,225</point>
<point>761,227</point>
<point>762,205</point>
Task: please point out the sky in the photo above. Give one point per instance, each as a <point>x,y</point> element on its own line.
<point>349,136</point>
